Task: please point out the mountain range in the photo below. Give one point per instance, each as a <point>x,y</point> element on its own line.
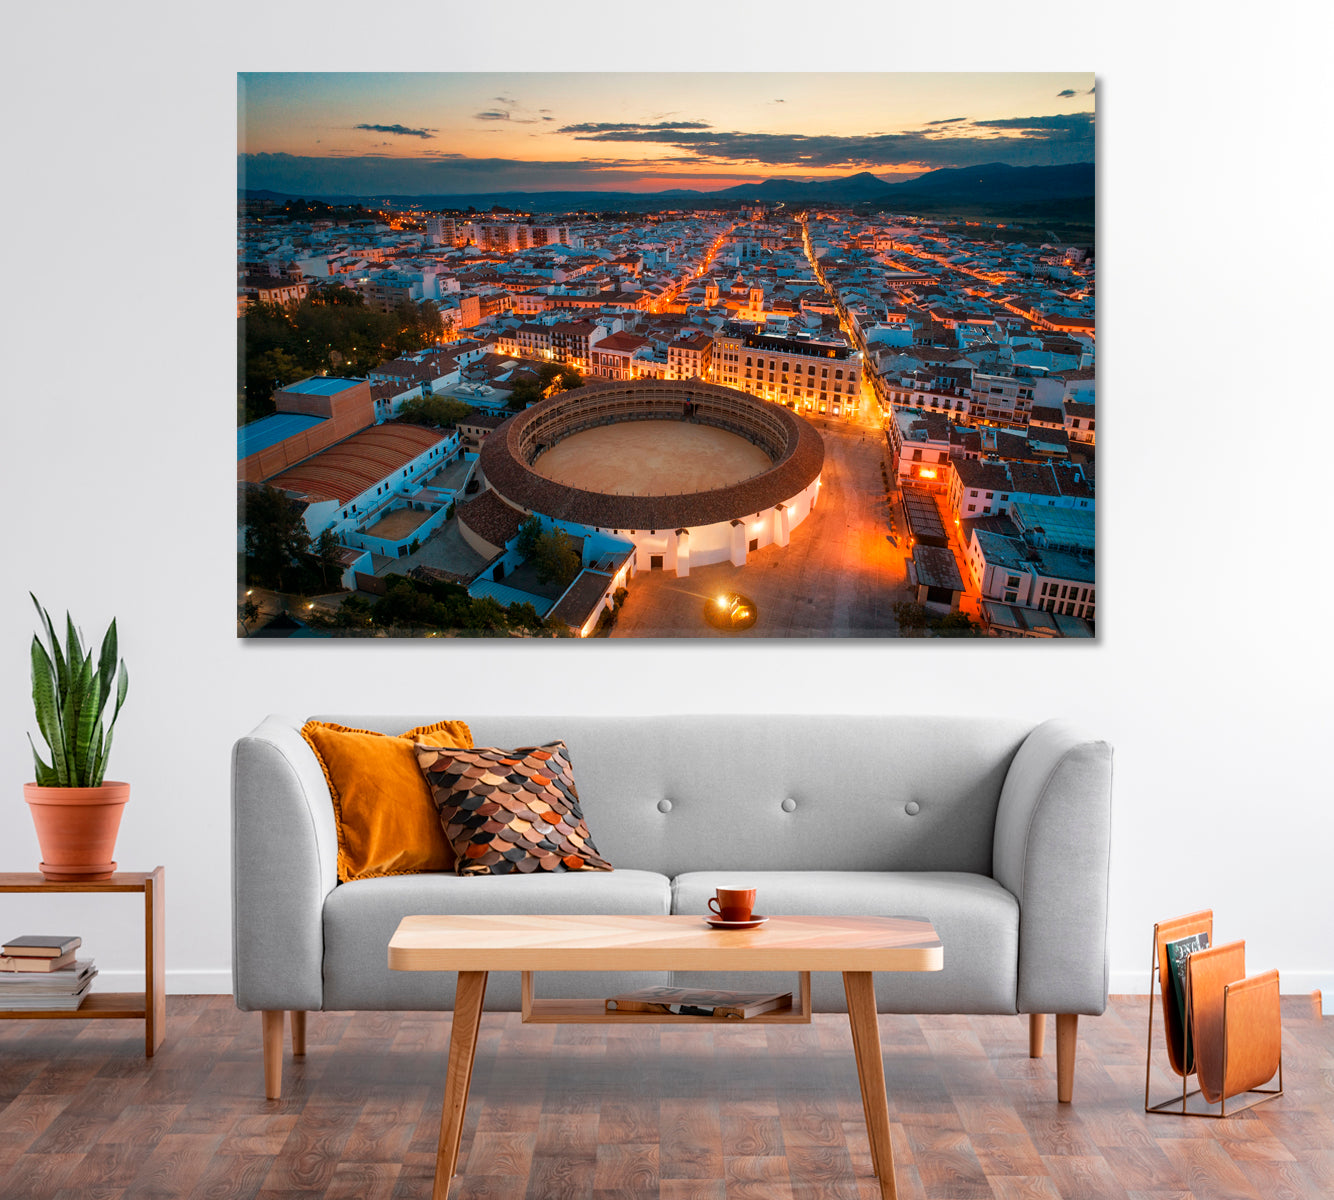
<point>990,185</point>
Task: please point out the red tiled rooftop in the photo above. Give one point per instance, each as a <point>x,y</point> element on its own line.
<point>344,471</point>
<point>621,341</point>
<point>491,517</point>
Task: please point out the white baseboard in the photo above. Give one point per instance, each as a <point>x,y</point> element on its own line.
<point>184,982</point>
<point>203,982</point>
<point>1291,983</point>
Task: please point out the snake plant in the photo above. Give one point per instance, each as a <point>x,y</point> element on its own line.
<point>70,694</point>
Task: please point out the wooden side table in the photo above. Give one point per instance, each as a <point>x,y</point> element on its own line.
<point>148,1006</point>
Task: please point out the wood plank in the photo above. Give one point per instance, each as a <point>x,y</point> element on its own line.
<point>155,961</point>
<point>691,1139</point>
<point>115,1006</point>
<point>33,881</point>
<point>627,1166</point>
<point>175,1165</point>
<point>757,1178</point>
<point>751,1131</point>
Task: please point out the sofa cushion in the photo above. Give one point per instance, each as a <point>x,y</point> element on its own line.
<point>386,822</point>
<point>976,918</point>
<point>360,918</point>
<point>510,811</point>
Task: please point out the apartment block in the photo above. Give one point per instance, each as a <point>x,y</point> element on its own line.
<point>812,377</point>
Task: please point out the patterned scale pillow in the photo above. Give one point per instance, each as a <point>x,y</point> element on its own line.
<point>509,810</point>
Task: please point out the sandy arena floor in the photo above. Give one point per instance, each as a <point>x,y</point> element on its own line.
<point>652,458</point>
<point>398,524</point>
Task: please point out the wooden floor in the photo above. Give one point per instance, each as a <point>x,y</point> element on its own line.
<point>629,1112</point>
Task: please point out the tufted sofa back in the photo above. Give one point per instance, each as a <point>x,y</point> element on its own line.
<point>695,793</point>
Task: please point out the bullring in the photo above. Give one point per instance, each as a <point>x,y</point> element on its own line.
<point>677,529</point>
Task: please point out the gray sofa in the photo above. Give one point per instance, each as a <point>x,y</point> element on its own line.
<point>996,830</point>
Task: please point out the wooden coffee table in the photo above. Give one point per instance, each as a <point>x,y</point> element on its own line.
<point>473,946</point>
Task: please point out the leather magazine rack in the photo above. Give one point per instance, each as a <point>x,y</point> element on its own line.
<point>1228,1034</point>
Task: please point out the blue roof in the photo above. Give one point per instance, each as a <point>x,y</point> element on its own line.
<point>269,431</point>
<point>318,385</point>
<point>508,595</point>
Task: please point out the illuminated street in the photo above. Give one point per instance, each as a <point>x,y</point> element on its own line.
<point>839,576</point>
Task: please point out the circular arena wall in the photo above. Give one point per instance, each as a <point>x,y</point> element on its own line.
<point>673,531</point>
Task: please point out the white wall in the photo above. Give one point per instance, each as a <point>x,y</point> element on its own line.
<point>1212,683</point>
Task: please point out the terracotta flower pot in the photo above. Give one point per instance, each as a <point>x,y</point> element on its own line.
<point>76,829</point>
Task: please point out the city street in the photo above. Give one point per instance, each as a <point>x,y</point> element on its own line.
<point>839,576</point>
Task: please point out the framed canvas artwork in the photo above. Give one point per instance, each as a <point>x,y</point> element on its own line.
<point>718,356</point>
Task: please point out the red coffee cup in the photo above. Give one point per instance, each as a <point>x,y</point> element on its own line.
<point>733,903</point>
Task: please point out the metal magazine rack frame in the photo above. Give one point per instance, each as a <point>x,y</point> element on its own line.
<point>1178,1036</point>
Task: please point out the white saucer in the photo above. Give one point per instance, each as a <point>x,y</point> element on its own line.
<point>719,923</point>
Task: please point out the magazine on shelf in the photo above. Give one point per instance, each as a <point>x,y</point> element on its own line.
<point>47,983</point>
<point>24,1001</point>
<point>695,1002</point>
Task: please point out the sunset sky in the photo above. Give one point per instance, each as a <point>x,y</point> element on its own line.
<point>464,133</point>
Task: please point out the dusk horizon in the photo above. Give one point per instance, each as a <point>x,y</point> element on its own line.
<point>475,134</point>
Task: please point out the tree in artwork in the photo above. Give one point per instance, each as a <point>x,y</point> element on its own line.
<point>551,552</point>
<point>276,536</point>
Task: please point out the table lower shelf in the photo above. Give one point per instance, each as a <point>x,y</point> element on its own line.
<point>96,1006</point>
<point>594,1012</point>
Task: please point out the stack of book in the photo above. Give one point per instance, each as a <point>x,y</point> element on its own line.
<point>39,972</point>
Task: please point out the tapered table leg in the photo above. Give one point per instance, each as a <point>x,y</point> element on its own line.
<point>467,1021</point>
<point>861,1080</point>
<point>860,989</point>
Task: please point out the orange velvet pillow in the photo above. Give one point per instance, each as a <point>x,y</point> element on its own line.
<point>387,823</point>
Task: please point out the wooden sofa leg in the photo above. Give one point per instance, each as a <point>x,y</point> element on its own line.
<point>1037,1034</point>
<point>298,1033</point>
<point>1067,1025</point>
<point>273,1053</point>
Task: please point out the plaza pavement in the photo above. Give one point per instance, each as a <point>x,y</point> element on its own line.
<point>839,576</point>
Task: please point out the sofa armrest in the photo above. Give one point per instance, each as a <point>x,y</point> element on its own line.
<point>1051,849</point>
<point>284,864</point>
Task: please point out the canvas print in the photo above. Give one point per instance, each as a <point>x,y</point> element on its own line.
<point>666,356</point>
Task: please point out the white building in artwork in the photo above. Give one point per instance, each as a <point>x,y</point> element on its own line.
<point>1011,571</point>
<point>356,487</point>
